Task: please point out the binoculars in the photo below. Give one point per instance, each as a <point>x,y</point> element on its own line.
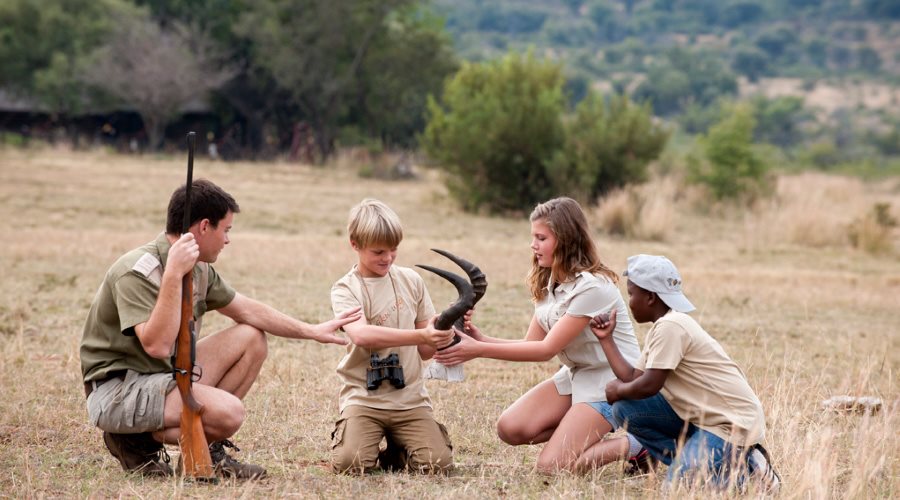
<point>387,368</point>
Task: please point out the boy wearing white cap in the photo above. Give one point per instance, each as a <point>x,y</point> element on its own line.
<point>684,387</point>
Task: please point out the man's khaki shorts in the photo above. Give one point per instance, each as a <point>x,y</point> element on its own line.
<point>135,404</point>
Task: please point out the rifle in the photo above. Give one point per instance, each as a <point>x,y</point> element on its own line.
<point>195,458</point>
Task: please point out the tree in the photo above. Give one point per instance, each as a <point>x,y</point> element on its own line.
<point>316,51</point>
<point>683,77</point>
<point>610,26</point>
<point>778,120</point>
<point>496,129</point>
<point>409,62</point>
<point>155,70</point>
<point>517,20</point>
<point>777,41</point>
<point>609,143</point>
<point>882,9</point>
<point>750,62</point>
<point>725,161</point>
<point>742,12</point>
<point>868,59</point>
<point>44,45</point>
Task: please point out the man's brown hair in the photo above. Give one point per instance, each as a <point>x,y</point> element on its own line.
<point>208,201</point>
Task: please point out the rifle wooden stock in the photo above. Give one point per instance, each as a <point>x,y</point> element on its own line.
<point>195,460</point>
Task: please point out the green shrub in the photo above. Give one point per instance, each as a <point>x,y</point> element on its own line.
<point>608,145</point>
<point>725,161</point>
<point>496,129</point>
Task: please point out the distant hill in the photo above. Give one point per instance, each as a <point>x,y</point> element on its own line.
<point>823,75</point>
<point>618,40</point>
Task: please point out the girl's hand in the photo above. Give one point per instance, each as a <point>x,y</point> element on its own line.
<point>470,328</point>
<point>602,325</point>
<point>466,349</point>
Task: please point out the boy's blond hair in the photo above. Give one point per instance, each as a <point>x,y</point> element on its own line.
<point>374,223</point>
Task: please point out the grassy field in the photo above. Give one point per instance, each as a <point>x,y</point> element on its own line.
<point>805,313</point>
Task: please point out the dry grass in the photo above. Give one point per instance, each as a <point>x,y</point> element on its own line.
<point>641,211</point>
<point>805,321</point>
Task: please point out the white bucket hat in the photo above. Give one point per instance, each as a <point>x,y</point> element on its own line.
<point>657,274</point>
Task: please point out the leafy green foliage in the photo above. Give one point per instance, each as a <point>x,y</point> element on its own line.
<point>155,70</point>
<point>43,47</point>
<point>750,62</point>
<point>779,120</point>
<point>726,162</point>
<point>510,20</point>
<point>683,77</point>
<point>609,143</point>
<point>496,130</point>
<point>358,61</point>
<point>500,133</point>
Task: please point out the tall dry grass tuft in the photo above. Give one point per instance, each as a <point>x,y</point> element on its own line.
<point>818,210</point>
<point>642,212</point>
<point>809,209</point>
<point>874,230</point>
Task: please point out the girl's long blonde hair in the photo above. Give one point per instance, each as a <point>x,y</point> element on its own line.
<point>575,249</point>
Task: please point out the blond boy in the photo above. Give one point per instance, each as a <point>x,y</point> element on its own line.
<point>383,394</point>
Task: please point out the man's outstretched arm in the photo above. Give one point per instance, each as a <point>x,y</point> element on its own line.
<point>251,312</point>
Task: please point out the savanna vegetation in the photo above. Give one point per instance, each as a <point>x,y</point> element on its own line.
<point>301,78</point>
<point>800,287</point>
<point>757,144</point>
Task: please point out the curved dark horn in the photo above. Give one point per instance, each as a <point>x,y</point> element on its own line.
<point>476,277</point>
<point>465,301</point>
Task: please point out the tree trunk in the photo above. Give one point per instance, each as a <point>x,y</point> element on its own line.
<point>155,130</point>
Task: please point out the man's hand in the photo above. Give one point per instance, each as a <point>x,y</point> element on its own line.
<point>435,338</point>
<point>183,255</point>
<point>612,390</point>
<point>602,325</point>
<point>325,332</point>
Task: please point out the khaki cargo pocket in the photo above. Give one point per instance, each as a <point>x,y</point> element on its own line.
<point>94,410</point>
<point>445,434</point>
<point>337,435</point>
<point>142,403</point>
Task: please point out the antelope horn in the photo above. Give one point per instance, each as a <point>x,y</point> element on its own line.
<point>476,277</point>
<point>465,301</point>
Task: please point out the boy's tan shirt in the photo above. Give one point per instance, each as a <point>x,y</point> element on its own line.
<point>399,300</point>
<point>705,387</point>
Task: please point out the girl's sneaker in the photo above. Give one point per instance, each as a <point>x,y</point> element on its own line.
<point>761,470</point>
<point>640,464</point>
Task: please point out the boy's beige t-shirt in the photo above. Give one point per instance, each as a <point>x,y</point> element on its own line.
<point>705,387</point>
<point>398,300</point>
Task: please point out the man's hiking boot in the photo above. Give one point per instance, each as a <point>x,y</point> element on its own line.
<point>640,464</point>
<point>226,466</point>
<point>139,453</point>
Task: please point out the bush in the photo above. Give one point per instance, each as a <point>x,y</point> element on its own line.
<point>726,162</point>
<point>872,231</point>
<point>496,130</point>
<point>608,145</point>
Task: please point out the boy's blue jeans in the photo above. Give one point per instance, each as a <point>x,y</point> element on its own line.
<point>653,422</point>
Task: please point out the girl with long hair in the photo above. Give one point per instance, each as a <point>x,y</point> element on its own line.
<point>569,285</point>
